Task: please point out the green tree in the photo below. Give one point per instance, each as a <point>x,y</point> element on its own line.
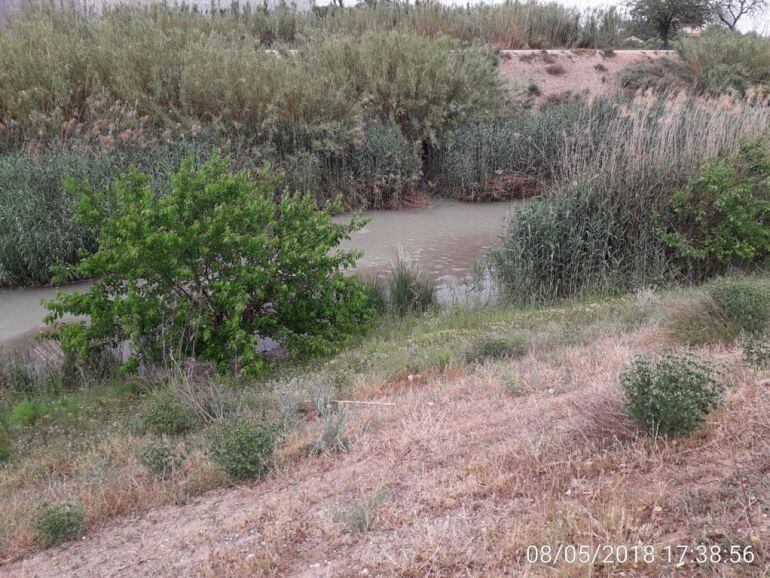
<point>210,270</point>
<point>667,16</point>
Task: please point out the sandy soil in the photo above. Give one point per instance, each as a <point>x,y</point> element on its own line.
<point>458,476</point>
<point>588,72</point>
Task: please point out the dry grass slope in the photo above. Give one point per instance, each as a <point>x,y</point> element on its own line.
<point>453,475</point>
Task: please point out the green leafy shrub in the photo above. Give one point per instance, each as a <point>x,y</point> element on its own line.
<point>58,523</point>
<point>496,348</point>
<point>756,350</point>
<point>210,270</point>
<point>39,227</point>
<point>671,395</point>
<point>744,303</point>
<point>162,413</point>
<point>244,448</point>
<point>721,220</point>
<point>161,458</point>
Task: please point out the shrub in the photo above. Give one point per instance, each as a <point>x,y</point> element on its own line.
<point>533,89</point>
<point>28,411</point>
<point>724,60</point>
<point>599,67</point>
<point>332,438</point>
<point>39,227</point>
<point>244,448</point>
<point>756,350</point>
<point>671,395</point>
<point>163,414</point>
<point>211,269</point>
<point>496,348</point>
<point>58,523</point>
<point>744,303</point>
<point>555,69</point>
<point>721,220</point>
<point>161,458</point>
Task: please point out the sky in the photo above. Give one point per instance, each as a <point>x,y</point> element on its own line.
<point>759,24</point>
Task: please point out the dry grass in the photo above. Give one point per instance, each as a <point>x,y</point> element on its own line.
<point>458,477</point>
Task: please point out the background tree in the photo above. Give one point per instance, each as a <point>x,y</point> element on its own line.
<point>668,16</point>
<point>729,12</point>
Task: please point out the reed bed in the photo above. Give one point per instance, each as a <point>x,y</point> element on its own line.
<point>598,229</point>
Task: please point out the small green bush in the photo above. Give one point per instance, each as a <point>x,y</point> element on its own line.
<point>58,523</point>
<point>496,348</point>
<point>756,350</point>
<point>671,395</point>
<point>161,458</point>
<point>28,411</point>
<point>244,448</point>
<point>744,303</point>
<point>210,270</point>
<point>162,413</point>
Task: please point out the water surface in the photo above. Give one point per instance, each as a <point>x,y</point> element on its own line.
<point>445,240</point>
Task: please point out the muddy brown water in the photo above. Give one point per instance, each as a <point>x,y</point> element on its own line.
<point>446,240</point>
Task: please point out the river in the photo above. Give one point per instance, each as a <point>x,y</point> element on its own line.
<point>445,239</point>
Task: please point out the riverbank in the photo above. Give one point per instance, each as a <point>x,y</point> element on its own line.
<point>442,454</point>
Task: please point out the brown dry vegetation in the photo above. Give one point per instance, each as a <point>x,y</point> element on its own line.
<point>455,473</point>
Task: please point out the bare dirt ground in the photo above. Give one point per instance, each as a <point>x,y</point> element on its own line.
<point>585,72</point>
<point>459,476</point>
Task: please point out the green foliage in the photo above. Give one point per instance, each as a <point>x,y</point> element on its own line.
<point>577,243</point>
<point>496,348</point>
<point>744,304</point>
<point>38,216</point>
<point>671,395</point>
<point>58,523</point>
<point>162,413</point>
<point>721,219</point>
<point>410,290</point>
<point>668,16</point>
<point>756,350</point>
<point>28,411</point>
<point>722,60</point>
<point>5,450</point>
<point>161,458</point>
<point>244,448</point>
<point>211,269</point>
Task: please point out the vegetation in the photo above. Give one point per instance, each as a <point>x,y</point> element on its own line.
<point>496,348</point>
<point>668,16</point>
<point>595,234</point>
<point>243,449</point>
<point>210,270</point>
<point>671,395</point>
<point>164,414</point>
<point>721,219</point>
<point>59,523</point>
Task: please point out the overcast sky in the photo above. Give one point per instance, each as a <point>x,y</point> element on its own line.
<point>760,24</point>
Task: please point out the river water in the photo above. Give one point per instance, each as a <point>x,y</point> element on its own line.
<point>446,240</point>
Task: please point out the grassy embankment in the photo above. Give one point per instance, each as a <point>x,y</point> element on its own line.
<point>517,408</point>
